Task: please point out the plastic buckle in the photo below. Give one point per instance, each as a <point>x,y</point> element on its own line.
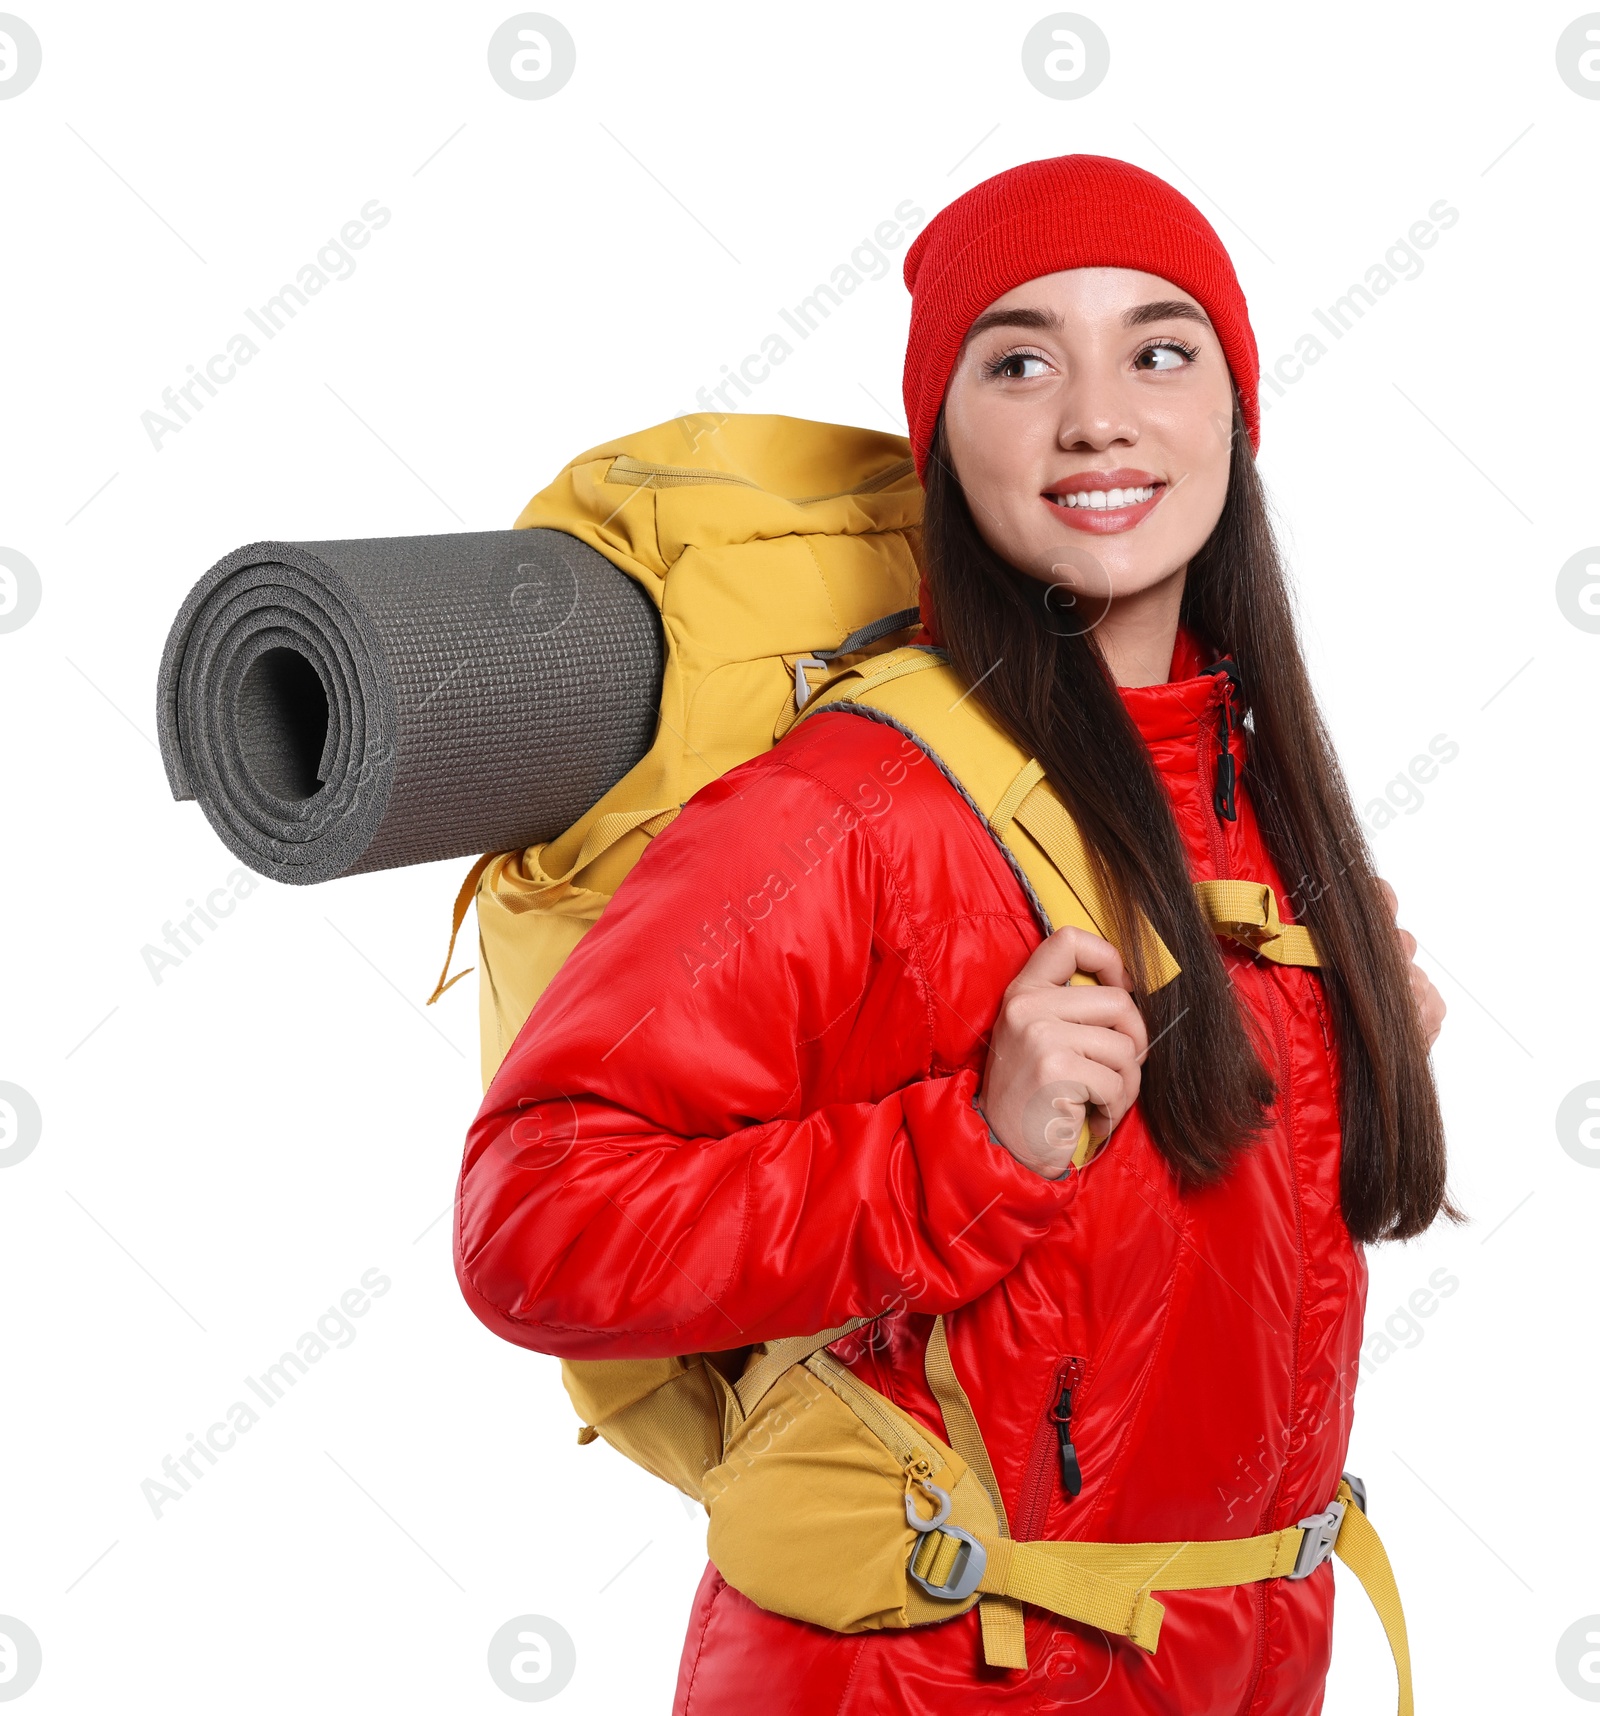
<point>971,1557</point>
<point>941,1508</point>
<point>802,689</point>
<point>965,1573</point>
<point>1321,1533</point>
<point>1357,1489</point>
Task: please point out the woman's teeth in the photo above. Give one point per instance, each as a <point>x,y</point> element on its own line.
<point>1105,497</point>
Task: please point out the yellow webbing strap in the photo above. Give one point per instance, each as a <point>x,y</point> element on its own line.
<point>1360,1548</point>
<point>1028,776</point>
<point>849,684</point>
<point>1004,1643</point>
<point>607,831</point>
<point>764,1368</point>
<point>1245,911</point>
<point>1248,912</point>
<point>1031,802</point>
<point>1110,1585</point>
<point>895,663</point>
<point>458,916</point>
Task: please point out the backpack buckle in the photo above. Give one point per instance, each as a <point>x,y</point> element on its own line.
<point>970,1558</point>
<point>965,1571</point>
<point>802,689</point>
<point>1321,1533</point>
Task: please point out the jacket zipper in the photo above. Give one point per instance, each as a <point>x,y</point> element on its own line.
<point>1280,1039</point>
<point>1061,1416</point>
<point>1054,1451</point>
<point>1224,797</point>
<point>1223,800</point>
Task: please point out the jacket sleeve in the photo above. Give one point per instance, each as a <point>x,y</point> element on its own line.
<point>666,1161</point>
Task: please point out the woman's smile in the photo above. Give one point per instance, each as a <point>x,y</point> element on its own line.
<point>1101,503</point>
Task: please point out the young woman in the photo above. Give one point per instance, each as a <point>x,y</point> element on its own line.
<point>874,1101</point>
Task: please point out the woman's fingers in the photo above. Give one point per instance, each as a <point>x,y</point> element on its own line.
<point>1086,1090</point>
<point>1430,1003</point>
<point>1089,1005</point>
<point>1101,1062</point>
<point>1066,1047</point>
<point>1067,951</point>
<point>1060,1048</point>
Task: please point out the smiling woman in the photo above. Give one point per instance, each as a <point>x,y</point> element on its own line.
<point>1121,398</point>
<point>1095,1202</point>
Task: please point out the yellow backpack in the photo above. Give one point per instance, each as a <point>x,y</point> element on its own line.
<point>783,556</point>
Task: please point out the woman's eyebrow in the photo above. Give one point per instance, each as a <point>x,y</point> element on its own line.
<point>1023,316</point>
<point>1163,309</point>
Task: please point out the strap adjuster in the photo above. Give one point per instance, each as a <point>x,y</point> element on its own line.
<point>966,1571</point>
<point>1321,1533</point>
<point>802,686</point>
<point>860,638</point>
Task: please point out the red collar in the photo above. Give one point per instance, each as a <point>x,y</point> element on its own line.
<point>1190,694</point>
<point>1159,711</point>
<point>1189,656</point>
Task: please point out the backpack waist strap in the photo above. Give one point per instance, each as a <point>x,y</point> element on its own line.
<point>1110,1585</point>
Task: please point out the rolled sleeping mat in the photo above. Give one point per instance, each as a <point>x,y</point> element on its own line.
<point>339,707</point>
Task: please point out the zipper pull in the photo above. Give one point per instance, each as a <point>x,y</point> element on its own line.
<point>1061,1416</point>
<point>919,1475</point>
<point>1222,796</point>
<point>1222,799</point>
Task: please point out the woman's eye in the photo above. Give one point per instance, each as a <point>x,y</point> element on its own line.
<point>1172,355</point>
<point>1014,366</point>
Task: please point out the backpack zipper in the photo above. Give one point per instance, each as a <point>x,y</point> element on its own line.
<point>624,467</point>
<point>918,1462</point>
<point>868,1406</point>
<point>1054,1451</point>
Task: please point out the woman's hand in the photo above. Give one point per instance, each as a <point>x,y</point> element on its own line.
<point>1430,1003</point>
<point>1062,1052</point>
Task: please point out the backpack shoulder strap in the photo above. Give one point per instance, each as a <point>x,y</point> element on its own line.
<point>916,690</point>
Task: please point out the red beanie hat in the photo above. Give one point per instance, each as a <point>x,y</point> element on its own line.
<point>1073,211</point>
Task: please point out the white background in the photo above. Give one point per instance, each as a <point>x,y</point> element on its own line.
<point>226,1152</point>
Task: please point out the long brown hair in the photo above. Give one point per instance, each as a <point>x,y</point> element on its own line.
<point>1205,1091</point>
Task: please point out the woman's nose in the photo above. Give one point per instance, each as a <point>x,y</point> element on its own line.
<point>1095,414</point>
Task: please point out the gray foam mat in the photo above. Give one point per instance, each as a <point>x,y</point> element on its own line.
<point>339,707</point>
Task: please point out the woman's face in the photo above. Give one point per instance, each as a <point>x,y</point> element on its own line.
<point>1108,389</point>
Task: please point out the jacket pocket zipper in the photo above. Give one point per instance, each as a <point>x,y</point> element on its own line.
<point>1053,1448</point>
<point>1061,1417</point>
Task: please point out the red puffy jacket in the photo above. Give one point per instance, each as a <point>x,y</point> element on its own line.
<point>764,1059</point>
